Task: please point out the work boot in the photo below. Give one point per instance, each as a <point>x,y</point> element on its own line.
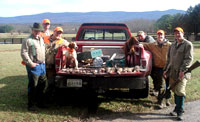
<point>160,104</point>
<point>167,102</point>
<point>173,113</point>
<point>31,108</point>
<point>155,93</point>
<point>180,116</point>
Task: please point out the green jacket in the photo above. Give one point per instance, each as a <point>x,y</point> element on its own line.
<point>179,58</point>
<point>31,45</point>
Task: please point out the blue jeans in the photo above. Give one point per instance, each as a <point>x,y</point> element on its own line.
<point>37,84</point>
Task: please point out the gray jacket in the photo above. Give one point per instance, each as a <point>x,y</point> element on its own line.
<point>27,51</point>
<point>148,39</point>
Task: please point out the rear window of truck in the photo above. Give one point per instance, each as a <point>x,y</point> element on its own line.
<point>103,34</point>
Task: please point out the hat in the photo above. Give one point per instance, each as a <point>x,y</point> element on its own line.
<point>161,31</point>
<point>58,29</point>
<point>37,26</point>
<point>140,32</point>
<point>179,29</point>
<point>45,21</point>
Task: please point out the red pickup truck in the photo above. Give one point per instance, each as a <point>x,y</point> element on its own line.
<point>106,72</point>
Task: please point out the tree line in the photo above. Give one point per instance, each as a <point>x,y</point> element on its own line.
<point>190,21</point>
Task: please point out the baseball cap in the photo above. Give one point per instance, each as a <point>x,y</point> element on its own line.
<point>37,26</point>
<point>58,29</point>
<point>161,31</point>
<point>179,29</point>
<point>46,21</point>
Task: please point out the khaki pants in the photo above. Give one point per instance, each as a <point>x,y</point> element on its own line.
<point>179,89</point>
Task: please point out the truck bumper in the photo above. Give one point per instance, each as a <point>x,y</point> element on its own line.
<point>102,82</point>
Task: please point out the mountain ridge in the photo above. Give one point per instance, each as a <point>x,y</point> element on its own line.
<point>81,17</point>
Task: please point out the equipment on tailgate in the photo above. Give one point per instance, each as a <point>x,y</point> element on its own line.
<point>89,54</point>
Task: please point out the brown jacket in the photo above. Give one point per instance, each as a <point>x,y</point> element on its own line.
<point>159,53</point>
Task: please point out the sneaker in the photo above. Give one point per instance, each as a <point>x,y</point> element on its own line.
<point>167,102</point>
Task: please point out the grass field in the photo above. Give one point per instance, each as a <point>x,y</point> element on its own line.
<point>13,95</point>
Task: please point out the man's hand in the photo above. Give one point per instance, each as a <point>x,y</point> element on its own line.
<point>181,75</point>
<point>34,65</point>
<point>164,74</point>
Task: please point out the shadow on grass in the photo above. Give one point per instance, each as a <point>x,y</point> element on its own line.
<point>13,98</point>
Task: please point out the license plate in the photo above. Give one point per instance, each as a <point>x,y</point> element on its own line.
<point>74,82</point>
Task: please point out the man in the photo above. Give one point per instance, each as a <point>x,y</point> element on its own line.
<point>46,26</point>
<point>33,54</point>
<point>142,37</point>
<point>180,57</point>
<point>52,44</point>
<point>159,50</point>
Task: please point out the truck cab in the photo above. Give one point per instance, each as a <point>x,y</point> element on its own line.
<point>110,37</point>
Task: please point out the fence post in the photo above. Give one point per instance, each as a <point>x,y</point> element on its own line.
<point>21,39</point>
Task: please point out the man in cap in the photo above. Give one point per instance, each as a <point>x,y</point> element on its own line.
<point>46,26</point>
<point>180,57</point>
<point>159,49</point>
<point>142,37</point>
<point>33,54</point>
<point>52,44</point>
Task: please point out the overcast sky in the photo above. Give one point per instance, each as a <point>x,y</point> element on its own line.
<point>10,8</point>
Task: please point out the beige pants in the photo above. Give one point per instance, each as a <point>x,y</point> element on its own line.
<point>179,89</point>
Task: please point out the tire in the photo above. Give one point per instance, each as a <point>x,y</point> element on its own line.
<point>92,102</point>
<point>140,93</point>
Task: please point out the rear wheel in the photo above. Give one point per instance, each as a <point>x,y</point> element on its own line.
<point>92,98</point>
<point>140,93</point>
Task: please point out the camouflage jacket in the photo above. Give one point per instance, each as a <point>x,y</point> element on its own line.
<point>51,49</point>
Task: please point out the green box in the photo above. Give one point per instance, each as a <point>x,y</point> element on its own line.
<point>89,54</point>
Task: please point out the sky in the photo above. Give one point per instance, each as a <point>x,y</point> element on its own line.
<point>11,8</point>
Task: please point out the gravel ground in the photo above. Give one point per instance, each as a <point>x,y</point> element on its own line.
<point>192,114</point>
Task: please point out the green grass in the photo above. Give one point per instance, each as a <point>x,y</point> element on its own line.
<point>13,94</point>
<point>193,86</point>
